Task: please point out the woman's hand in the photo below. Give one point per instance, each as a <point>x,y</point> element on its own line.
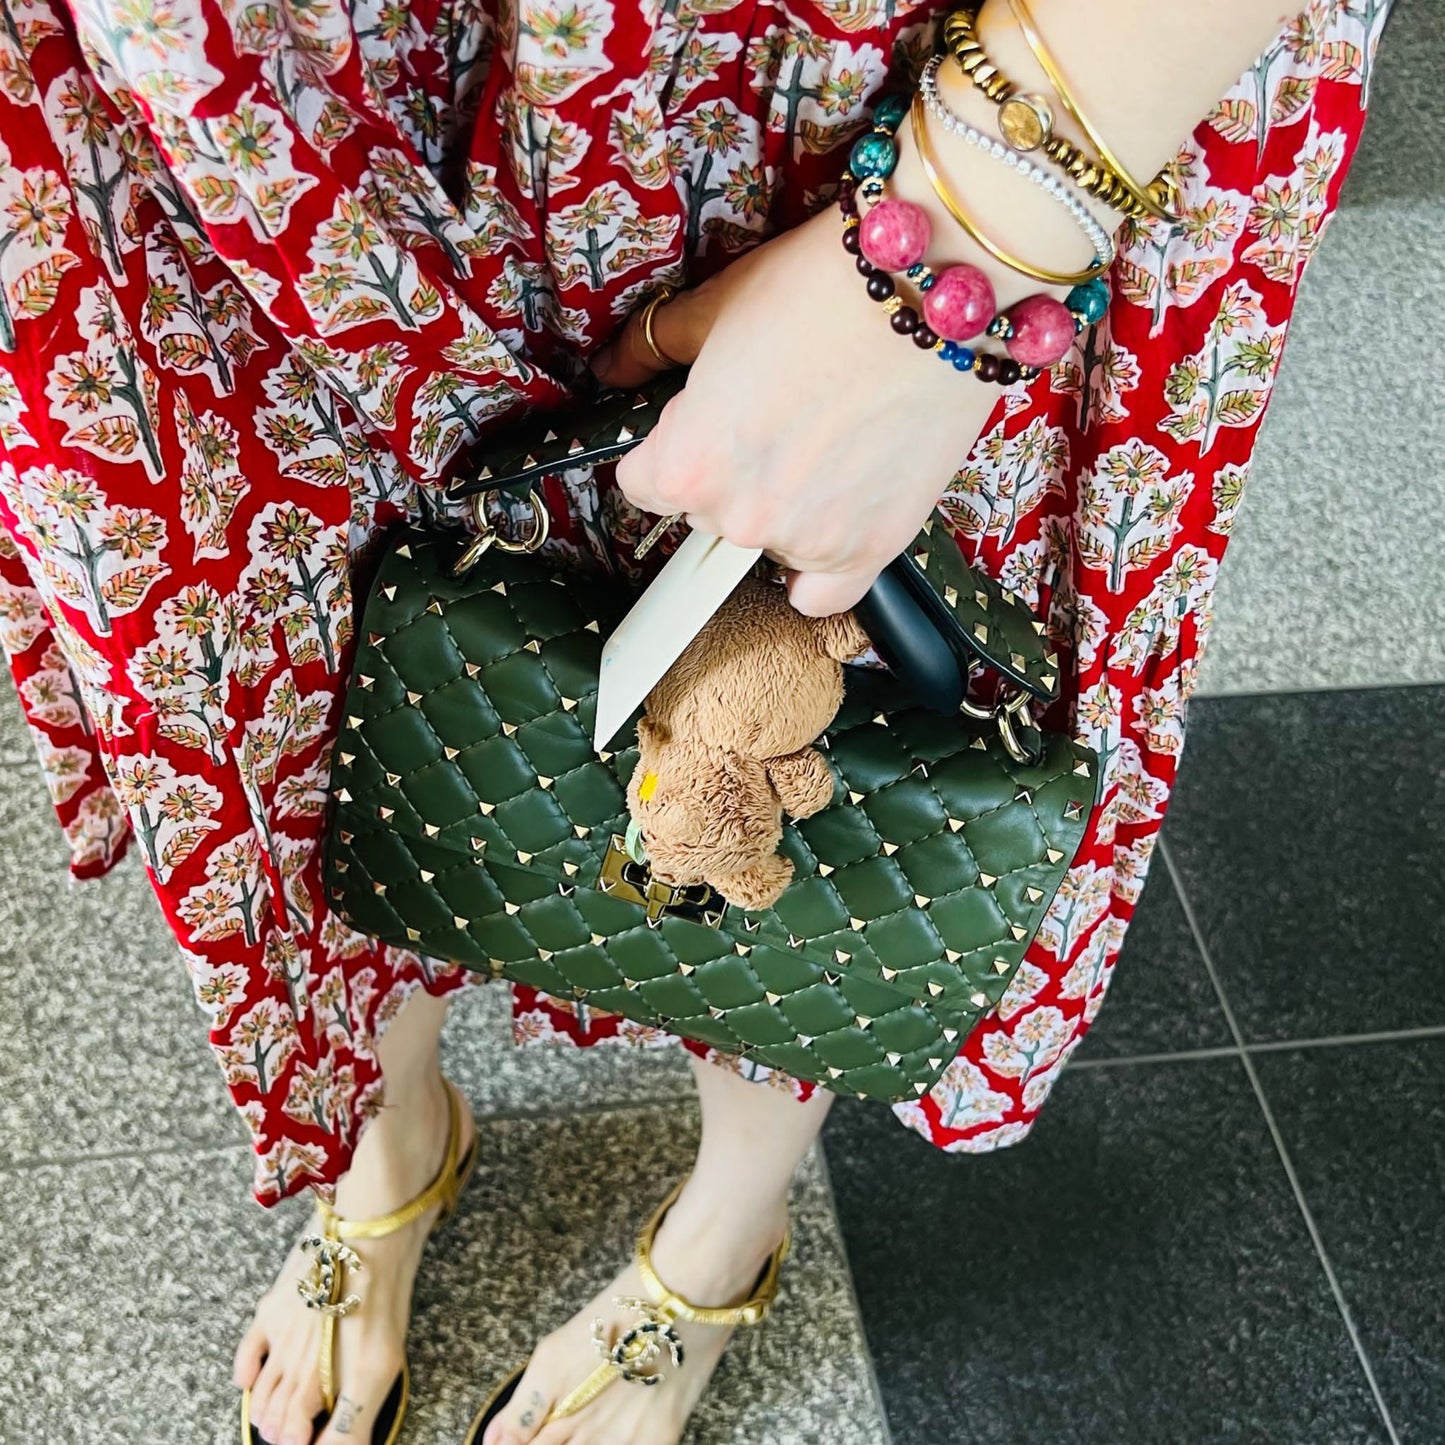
<point>807,427</point>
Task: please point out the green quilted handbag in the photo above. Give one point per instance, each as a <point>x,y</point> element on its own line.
<point>474,821</point>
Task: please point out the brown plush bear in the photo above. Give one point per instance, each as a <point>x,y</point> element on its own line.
<point>726,743</point>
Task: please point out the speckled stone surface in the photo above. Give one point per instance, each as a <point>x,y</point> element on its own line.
<point>1134,1273</point>
<point>1366,1129</point>
<point>126,1066</point>
<point>1331,578</point>
<point>127,1281</point>
<point>1308,832</point>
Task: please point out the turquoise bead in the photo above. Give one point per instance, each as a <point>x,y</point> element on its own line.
<point>1091,300</point>
<point>873,155</point>
<point>890,111</point>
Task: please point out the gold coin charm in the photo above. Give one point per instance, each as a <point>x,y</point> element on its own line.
<point>1025,121</point>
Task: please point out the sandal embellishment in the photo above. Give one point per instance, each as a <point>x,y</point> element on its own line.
<point>641,1354</point>
<point>323,1283</point>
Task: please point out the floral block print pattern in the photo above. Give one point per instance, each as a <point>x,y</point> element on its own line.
<point>266,268</point>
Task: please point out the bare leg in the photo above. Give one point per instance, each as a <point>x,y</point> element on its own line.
<point>711,1249</point>
<point>397,1158</point>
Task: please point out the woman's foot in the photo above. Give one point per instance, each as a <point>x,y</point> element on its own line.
<point>710,1253</point>
<point>399,1155</point>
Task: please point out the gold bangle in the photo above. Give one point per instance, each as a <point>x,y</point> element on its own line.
<point>1142,195</point>
<point>1019,114</point>
<point>661,299</point>
<point>918,117</point>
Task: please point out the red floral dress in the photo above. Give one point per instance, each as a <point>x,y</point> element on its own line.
<point>265,268</point>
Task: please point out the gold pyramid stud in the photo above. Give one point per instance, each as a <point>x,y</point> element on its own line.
<point>366,683</point>
<point>794,941</point>
<point>435,606</point>
<point>604,756</point>
<point>881,719</point>
<point>451,754</point>
<point>393,779</point>
<point>1033,894</point>
<point>834,1073</point>
<point>687,969</point>
<point>427,875</point>
<point>1081,768</point>
<point>889,973</point>
<point>566,890</point>
<point>353,722</point>
<point>826,870</point>
<point>1072,810</point>
<point>863,1022</point>
<point>430,829</point>
<point>987,879</point>
<point>413,698</point>
<point>889,849</point>
<point>379,889</point>
<point>1038,627</point>
<point>1000,965</point>
<point>413,935</point>
<point>529,460</point>
<point>625,434</point>
<point>511,908</point>
<point>935,989</point>
<point>459,921</point>
<point>347,759</point>
<point>979,745</point>
<point>742,949</point>
<point>595,939</point>
<point>855,798</point>
<point>479,844</point>
<point>532,646</point>
<point>928,527</point>
<point>524,858</point>
<point>921,558</point>
<point>343,795</point>
<point>404,550</point>
<point>1024,796</point>
<point>500,589</point>
<point>950,596</point>
<point>714,1011</point>
<point>592,627</point>
<point>486,809</point>
<point>1017,660</point>
<point>978,1000</point>
<point>842,956</point>
<point>545,954</point>
<point>386,814</point>
<point>894,1059</point>
<point>920,1089</point>
<point>582,830</point>
<point>980,632</point>
<point>935,1063</point>
<point>473,668</point>
<point>544,783</point>
<point>857,924</point>
<point>952,955</point>
<point>1019,933</point>
<point>950,1036</point>
<point>982,599</point>
<point>829,977</point>
<point>1047,680</point>
<point>509,730</point>
<point>1054,855</point>
<point>773,998</point>
<point>569,704</point>
<point>570,869</point>
<point>922,900</point>
<point>551,435</point>
<point>954,824</point>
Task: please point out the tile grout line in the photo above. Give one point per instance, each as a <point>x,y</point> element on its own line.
<point>1280,1147</point>
<point>874,1387</point>
<point>1272,1046</point>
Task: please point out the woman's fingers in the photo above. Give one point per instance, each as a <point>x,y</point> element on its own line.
<point>821,594</point>
<point>679,328</point>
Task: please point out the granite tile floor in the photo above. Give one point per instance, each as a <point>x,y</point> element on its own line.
<point>1227,1224</point>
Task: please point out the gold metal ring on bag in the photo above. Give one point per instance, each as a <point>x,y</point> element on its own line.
<point>488,536</point>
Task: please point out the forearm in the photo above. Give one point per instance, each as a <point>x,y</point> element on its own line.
<point>1144,72</point>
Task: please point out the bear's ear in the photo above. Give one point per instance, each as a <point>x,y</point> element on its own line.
<point>651,734</point>
<point>842,637</point>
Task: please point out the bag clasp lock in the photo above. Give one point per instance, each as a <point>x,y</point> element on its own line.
<point>622,877</point>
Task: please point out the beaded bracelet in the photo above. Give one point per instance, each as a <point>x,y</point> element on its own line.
<point>1046,180</point>
<point>958,302</point>
<point>1027,122</point>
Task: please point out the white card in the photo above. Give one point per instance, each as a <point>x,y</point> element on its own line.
<point>698,578</point>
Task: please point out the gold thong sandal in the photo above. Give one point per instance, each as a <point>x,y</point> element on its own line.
<point>323,1286</point>
<point>642,1353</point>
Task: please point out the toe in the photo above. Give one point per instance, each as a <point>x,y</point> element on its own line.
<point>521,1421</point>
<point>361,1400</point>
<point>250,1356</point>
<point>297,1426</point>
<point>268,1380</point>
<point>268,1423</point>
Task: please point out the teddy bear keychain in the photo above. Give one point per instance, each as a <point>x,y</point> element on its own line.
<point>726,744</point>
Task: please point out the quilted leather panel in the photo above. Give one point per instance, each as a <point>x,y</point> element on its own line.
<point>473,816</point>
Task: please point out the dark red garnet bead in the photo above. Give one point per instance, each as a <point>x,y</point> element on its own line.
<point>904,321</point>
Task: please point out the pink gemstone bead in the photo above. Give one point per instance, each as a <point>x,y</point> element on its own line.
<point>894,235</point>
<point>1043,331</point>
<point>960,303</point>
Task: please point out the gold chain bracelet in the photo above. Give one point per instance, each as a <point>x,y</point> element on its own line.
<point>1026,121</point>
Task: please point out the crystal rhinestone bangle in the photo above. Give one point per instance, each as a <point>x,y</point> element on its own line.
<point>1046,180</point>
